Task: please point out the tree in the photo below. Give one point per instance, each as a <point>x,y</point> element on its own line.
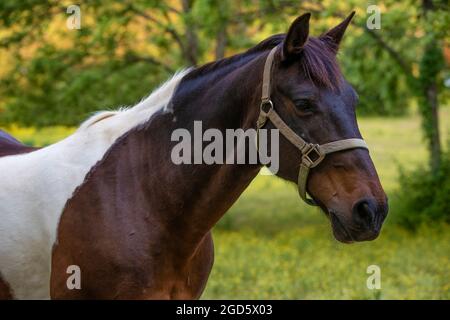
<point>431,65</point>
<point>403,52</point>
<point>51,75</point>
<point>434,21</point>
<point>123,49</point>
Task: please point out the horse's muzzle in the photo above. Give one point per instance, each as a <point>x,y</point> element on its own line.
<point>367,217</point>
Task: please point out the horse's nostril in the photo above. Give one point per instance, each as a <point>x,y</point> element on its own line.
<point>364,213</point>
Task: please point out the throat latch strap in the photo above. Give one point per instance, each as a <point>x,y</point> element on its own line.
<point>311,154</point>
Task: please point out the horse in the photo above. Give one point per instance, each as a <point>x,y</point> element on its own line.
<point>109,200</point>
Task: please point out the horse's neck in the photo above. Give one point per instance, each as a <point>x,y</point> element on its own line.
<point>186,199</point>
<point>225,98</point>
<point>230,101</point>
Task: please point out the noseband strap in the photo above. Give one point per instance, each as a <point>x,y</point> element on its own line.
<point>312,154</point>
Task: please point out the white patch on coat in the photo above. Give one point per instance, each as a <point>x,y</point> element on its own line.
<point>35,187</point>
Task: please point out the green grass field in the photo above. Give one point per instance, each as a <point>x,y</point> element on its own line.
<point>272,246</point>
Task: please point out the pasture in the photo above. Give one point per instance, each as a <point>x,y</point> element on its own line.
<point>272,246</point>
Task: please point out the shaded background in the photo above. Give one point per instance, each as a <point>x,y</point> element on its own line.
<point>269,245</point>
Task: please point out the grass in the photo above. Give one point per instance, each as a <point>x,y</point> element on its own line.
<point>304,262</point>
<point>272,246</point>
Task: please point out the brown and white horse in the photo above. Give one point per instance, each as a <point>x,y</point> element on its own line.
<point>109,200</point>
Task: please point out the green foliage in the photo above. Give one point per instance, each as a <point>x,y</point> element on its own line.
<point>50,75</point>
<point>383,90</point>
<point>59,96</point>
<point>60,77</point>
<point>424,195</point>
<point>381,82</point>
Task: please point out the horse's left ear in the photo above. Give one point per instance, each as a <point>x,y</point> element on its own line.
<point>296,37</point>
<point>334,36</point>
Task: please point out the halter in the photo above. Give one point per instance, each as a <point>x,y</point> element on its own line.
<point>312,154</point>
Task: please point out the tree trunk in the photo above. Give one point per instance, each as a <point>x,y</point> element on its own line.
<point>221,42</point>
<point>435,141</point>
<point>431,66</point>
<point>191,47</point>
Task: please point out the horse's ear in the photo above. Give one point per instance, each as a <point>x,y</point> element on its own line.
<point>296,36</point>
<point>334,36</point>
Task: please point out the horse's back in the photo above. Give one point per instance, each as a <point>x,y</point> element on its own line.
<point>11,146</point>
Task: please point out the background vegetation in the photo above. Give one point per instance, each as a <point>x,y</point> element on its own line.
<point>51,78</point>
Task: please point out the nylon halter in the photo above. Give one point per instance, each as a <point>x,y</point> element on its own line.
<point>312,154</point>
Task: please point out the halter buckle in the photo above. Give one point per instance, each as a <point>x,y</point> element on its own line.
<point>312,155</point>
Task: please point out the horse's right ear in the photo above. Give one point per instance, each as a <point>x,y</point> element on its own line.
<point>334,36</point>
<point>296,37</point>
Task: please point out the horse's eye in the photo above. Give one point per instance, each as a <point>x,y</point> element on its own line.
<point>304,105</point>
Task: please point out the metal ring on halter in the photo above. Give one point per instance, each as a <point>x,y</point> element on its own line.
<point>265,103</point>
<point>263,114</point>
<point>262,119</point>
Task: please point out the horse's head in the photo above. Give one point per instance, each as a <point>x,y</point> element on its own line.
<point>312,97</point>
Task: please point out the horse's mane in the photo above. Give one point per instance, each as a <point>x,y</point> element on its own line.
<point>317,60</point>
